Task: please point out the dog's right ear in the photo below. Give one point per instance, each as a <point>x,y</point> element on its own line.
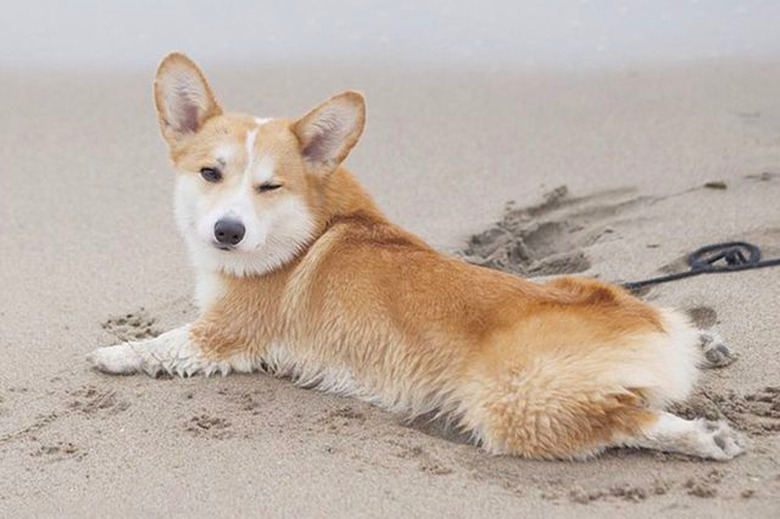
<point>183,98</point>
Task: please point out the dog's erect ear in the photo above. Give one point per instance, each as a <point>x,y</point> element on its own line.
<point>183,97</point>
<point>329,132</point>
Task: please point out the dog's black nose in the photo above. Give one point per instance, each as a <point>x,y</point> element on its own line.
<point>229,232</point>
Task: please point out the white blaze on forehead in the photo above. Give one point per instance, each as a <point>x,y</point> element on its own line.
<point>259,121</point>
<point>250,148</point>
<point>257,171</point>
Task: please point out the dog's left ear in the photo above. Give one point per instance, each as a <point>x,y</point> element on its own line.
<point>183,98</point>
<point>328,133</point>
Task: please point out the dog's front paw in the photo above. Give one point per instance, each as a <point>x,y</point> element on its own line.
<point>116,360</point>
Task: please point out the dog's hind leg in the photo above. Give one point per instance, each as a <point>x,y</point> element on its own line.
<point>701,438</point>
<point>581,424</point>
<point>550,409</point>
<point>566,403</point>
<point>175,352</point>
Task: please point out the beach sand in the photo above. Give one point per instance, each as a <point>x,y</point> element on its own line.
<point>90,256</point>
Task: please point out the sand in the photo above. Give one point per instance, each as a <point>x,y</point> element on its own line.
<point>90,257</point>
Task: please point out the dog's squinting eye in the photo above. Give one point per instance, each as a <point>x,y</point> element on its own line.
<point>211,174</point>
<point>262,188</point>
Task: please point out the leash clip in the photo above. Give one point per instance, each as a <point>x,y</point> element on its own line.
<point>735,254</point>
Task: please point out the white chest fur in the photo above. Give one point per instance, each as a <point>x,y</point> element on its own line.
<point>208,288</point>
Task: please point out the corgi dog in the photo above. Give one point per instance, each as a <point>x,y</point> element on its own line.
<point>300,275</point>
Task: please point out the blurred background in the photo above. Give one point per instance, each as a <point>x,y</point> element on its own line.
<point>506,33</point>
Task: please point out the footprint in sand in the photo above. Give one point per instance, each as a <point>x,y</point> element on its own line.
<point>90,400</point>
<point>337,419</point>
<point>549,238</point>
<point>61,450</point>
<point>757,413</point>
<point>704,317</point>
<point>205,426</point>
<point>132,326</point>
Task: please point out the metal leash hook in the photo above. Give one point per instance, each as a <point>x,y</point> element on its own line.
<point>732,256</point>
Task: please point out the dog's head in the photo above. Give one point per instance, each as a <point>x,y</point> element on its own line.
<point>248,189</point>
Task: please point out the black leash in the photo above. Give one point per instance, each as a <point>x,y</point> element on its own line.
<point>732,256</point>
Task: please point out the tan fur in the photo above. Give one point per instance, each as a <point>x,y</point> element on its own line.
<point>560,369</point>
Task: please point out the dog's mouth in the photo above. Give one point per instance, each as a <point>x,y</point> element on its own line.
<point>234,249</point>
<point>223,247</point>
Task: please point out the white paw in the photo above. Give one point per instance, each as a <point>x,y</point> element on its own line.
<point>171,352</point>
<point>116,360</point>
<point>716,353</point>
<point>719,441</point>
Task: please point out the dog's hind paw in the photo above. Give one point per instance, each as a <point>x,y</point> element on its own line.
<point>716,353</point>
<point>719,441</point>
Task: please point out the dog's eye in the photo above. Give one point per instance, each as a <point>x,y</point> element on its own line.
<point>211,174</point>
<point>268,186</point>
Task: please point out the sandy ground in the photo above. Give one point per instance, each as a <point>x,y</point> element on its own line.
<point>90,256</point>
